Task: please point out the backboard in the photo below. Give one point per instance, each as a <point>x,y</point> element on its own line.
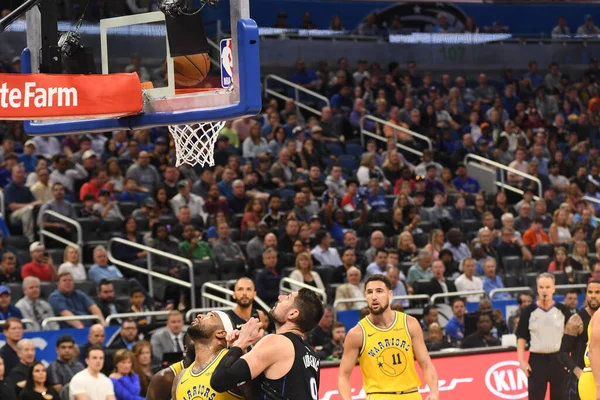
<point>145,35</point>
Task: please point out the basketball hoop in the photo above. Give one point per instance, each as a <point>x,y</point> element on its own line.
<point>195,143</point>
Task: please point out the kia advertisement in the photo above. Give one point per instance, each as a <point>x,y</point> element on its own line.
<point>483,376</point>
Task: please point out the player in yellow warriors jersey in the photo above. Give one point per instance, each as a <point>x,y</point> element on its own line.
<point>590,377</point>
<point>386,343</point>
<point>209,335</point>
<point>162,382</point>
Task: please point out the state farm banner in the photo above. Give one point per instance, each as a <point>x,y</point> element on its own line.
<point>483,376</point>
<point>47,96</point>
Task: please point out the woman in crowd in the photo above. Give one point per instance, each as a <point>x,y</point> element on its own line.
<point>435,243</point>
<point>254,144</point>
<point>446,179</point>
<point>402,199</point>
<point>309,155</point>
<point>299,247</point>
<point>392,167</point>
<point>559,232</point>
<point>562,262</point>
<point>145,366</point>
<point>253,214</point>
<point>36,386</point>
<point>501,206</point>
<point>72,264</point>
<point>480,207</point>
<point>6,390</point>
<point>407,250</point>
<point>116,181</point>
<point>304,272</point>
<point>395,225</point>
<point>411,219</point>
<point>110,151</point>
<point>163,205</point>
<point>579,259</point>
<point>278,141</point>
<point>163,242</point>
<point>126,382</point>
<point>127,253</point>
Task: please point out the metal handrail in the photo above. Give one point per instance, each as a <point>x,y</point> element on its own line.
<point>134,315</point>
<point>506,186</point>
<point>228,292</point>
<point>27,321</point>
<point>70,221</point>
<point>396,128</point>
<point>303,285</point>
<point>2,205</point>
<point>46,321</point>
<point>455,294</point>
<point>571,286</point>
<point>505,168</point>
<point>152,274</point>
<point>193,311</point>
<point>509,290</point>
<point>297,89</point>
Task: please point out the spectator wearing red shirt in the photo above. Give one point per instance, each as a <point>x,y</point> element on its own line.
<point>98,181</point>
<point>41,266</point>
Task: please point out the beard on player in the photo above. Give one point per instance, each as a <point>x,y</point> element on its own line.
<point>200,331</point>
<point>273,314</point>
<point>244,301</point>
<point>379,307</point>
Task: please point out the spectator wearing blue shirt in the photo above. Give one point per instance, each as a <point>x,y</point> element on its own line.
<point>492,281</point>
<point>463,182</point>
<point>432,184</point>
<point>101,270</point>
<point>443,26</point>
<point>226,184</point>
<point>66,301</point>
<point>27,158</point>
<point>455,328</point>
<point>129,193</point>
<point>10,159</point>
<point>7,310</point>
<point>376,199</point>
<point>537,79</point>
<point>342,102</point>
<point>303,76</point>
<point>20,202</point>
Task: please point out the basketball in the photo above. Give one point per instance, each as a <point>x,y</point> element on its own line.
<point>191,70</point>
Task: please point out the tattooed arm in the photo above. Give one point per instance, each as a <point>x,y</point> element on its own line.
<point>573,329</point>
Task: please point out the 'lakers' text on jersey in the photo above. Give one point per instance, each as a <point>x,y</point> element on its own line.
<point>386,358</point>
<point>196,386</point>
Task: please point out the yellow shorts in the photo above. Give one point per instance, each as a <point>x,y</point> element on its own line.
<point>587,387</point>
<point>390,396</point>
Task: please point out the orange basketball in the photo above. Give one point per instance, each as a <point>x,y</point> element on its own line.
<point>191,70</point>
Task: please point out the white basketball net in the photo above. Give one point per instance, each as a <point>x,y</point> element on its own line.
<point>195,143</point>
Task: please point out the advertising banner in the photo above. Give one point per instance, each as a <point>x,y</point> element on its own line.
<point>45,341</point>
<point>482,376</point>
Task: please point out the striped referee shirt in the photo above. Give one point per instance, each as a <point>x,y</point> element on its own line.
<point>543,329</point>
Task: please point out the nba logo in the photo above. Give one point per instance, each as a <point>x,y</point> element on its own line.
<point>226,63</point>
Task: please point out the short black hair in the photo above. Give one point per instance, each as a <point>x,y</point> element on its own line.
<point>94,347</point>
<point>103,282</point>
<point>379,278</point>
<point>136,289</point>
<point>519,301</point>
<point>381,251</point>
<point>457,299</point>
<point>572,291</point>
<point>320,235</point>
<point>310,310</point>
<point>65,339</point>
<point>427,309</point>
<point>273,196</point>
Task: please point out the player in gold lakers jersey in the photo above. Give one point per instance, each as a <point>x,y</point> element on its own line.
<point>386,343</point>
<point>209,335</point>
<point>591,373</point>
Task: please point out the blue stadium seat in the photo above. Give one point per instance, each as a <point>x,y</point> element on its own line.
<point>355,150</point>
<point>335,149</point>
<point>287,193</point>
<point>349,163</point>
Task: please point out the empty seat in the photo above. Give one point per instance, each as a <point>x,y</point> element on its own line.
<point>560,277</point>
<point>121,287</point>
<point>545,249</point>
<point>87,287</point>
<point>57,255</point>
<point>375,226</point>
<point>426,226</point>
<point>511,281</point>
<point>420,240</point>
<point>335,149</point>
<point>325,272</point>
<point>89,227</point>
<point>141,224</point>
<point>355,150</point>
<point>349,163</point>
<point>531,279</point>
<point>471,225</point>
<point>512,264</point>
<point>234,234</point>
<point>540,263</point>
<point>231,269</point>
<point>18,242</point>
<point>16,291</point>
<point>204,271</point>
<point>46,289</point>
<point>127,207</point>
<point>582,276</point>
<point>249,234</point>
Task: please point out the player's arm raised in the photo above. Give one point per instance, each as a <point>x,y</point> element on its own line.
<point>352,346</point>
<point>573,329</point>
<point>594,351</point>
<point>422,356</point>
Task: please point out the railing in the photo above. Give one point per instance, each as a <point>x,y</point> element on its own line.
<point>297,90</point>
<point>135,315</point>
<point>2,210</point>
<point>152,274</point>
<point>215,63</point>
<point>364,132</point>
<point>571,286</point>
<point>26,321</point>
<point>517,289</point>
<point>195,311</point>
<point>455,294</point>
<point>505,168</point>
<point>362,299</point>
<point>209,296</point>
<point>46,321</point>
<point>70,221</point>
<point>283,289</point>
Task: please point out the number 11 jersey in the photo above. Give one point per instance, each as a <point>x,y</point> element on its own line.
<point>386,358</point>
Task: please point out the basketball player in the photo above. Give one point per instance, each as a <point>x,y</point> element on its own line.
<point>386,343</point>
<point>209,335</point>
<point>575,339</point>
<point>282,366</point>
<point>244,293</point>
<point>161,383</point>
<point>590,378</point>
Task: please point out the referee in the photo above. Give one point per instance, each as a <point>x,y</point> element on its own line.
<point>541,325</point>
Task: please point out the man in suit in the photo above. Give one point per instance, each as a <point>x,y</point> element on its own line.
<point>351,290</point>
<point>439,284</point>
<point>170,338</point>
<point>128,336</point>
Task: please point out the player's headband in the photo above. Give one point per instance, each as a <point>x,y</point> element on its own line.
<point>225,320</point>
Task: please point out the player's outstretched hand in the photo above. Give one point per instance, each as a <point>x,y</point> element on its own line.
<point>250,333</point>
<point>232,337</point>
